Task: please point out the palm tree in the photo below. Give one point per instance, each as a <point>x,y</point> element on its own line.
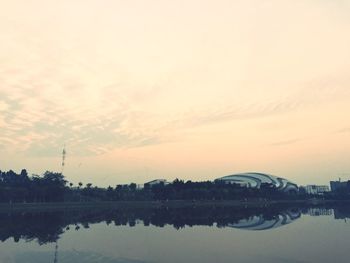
<point>80,184</point>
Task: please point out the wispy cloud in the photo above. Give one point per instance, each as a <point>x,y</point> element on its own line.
<point>39,123</point>
<point>311,94</point>
<point>344,130</point>
<point>287,142</point>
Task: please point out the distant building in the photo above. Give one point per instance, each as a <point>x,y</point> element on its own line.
<point>156,182</point>
<point>337,185</point>
<point>317,189</point>
<point>254,180</point>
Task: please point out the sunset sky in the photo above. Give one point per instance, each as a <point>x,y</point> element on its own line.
<point>145,89</point>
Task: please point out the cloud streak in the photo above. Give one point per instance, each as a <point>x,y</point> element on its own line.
<point>42,123</point>
<point>287,142</point>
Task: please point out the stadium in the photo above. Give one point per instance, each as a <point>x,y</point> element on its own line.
<point>254,180</point>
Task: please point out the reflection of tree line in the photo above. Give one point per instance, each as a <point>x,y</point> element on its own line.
<point>45,227</point>
<point>48,226</point>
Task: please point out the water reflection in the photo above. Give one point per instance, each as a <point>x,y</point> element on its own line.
<point>166,234</point>
<point>47,227</point>
<point>68,257</point>
<point>265,222</point>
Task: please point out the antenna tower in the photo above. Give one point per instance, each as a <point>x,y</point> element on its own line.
<point>63,157</point>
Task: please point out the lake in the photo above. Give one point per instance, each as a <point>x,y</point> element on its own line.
<point>189,234</point>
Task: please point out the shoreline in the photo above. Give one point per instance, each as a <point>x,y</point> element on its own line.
<point>160,204</point>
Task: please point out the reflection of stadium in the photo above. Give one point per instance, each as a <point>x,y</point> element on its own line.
<point>259,222</point>
<point>255,180</point>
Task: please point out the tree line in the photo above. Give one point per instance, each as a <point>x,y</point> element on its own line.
<point>53,187</point>
<point>49,187</point>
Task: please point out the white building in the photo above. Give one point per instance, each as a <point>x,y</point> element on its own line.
<point>317,189</point>
<point>255,180</point>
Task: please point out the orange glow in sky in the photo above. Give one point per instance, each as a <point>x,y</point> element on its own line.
<point>146,89</point>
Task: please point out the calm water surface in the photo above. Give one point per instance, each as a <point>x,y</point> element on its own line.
<point>177,235</point>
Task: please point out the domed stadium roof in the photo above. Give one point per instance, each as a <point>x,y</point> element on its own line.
<point>255,180</point>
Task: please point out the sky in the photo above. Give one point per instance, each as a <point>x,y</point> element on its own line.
<point>191,89</point>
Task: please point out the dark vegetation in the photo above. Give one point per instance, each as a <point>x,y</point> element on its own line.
<point>46,227</point>
<point>52,187</point>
